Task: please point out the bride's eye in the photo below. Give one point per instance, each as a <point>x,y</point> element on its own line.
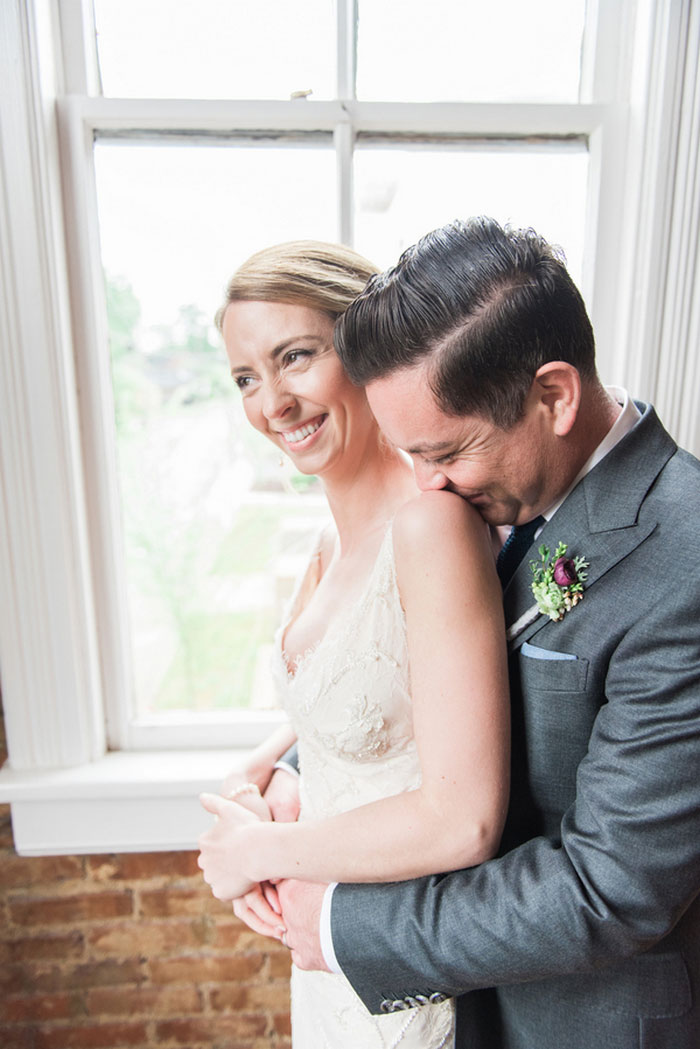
<point>243,382</point>
<point>294,356</point>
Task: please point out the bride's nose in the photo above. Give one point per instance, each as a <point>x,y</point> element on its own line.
<point>277,399</point>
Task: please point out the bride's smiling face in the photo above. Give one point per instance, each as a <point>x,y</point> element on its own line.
<point>293,385</point>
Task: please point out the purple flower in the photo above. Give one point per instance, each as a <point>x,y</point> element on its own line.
<point>565,571</point>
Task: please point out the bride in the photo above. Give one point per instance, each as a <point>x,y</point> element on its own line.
<point>391,660</point>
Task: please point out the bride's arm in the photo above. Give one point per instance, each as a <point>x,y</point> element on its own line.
<point>259,765</point>
<point>459,687</point>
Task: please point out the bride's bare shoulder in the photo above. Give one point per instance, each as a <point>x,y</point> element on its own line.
<point>437,515</point>
<point>441,544</point>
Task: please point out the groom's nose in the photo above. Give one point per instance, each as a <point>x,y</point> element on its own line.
<point>428,476</point>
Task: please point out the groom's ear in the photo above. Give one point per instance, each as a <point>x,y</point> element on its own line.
<point>557,387</point>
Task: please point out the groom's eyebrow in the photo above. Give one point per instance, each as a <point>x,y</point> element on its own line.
<point>437,446</point>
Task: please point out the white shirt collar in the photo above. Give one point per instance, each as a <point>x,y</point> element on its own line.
<point>627,418</point>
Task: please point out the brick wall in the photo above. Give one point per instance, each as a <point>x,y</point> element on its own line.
<point>131,950</point>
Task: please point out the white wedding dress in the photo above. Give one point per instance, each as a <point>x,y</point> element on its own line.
<point>349,701</point>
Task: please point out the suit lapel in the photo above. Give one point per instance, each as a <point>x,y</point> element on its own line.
<point>598,520</point>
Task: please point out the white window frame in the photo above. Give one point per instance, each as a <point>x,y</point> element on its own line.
<point>63,637</point>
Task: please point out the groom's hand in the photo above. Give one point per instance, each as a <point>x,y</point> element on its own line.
<point>301,913</point>
<point>260,908</point>
<point>282,795</point>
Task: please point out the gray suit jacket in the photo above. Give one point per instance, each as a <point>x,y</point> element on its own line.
<point>585,931</point>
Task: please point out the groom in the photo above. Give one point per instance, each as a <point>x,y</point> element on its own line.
<point>478,359</point>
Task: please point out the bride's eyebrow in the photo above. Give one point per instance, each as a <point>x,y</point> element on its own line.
<point>282,346</point>
<point>279,349</point>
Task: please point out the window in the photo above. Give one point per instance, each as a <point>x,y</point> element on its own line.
<point>209,522</point>
<point>132,476</point>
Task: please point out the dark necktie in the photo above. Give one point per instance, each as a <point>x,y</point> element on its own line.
<point>515,548</point>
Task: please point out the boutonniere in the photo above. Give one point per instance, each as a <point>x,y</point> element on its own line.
<point>558,582</point>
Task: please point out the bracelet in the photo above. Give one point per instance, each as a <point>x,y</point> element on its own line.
<point>245,788</point>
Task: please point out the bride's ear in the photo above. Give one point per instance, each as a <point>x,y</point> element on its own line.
<point>557,388</point>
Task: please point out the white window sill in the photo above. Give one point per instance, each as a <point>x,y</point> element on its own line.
<point>126,802</point>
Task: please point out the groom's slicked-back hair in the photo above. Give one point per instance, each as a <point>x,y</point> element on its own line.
<point>485,305</point>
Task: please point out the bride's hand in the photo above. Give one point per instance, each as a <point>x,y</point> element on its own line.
<point>250,798</point>
<point>223,856</point>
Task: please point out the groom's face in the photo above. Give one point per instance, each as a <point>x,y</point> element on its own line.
<point>507,475</point>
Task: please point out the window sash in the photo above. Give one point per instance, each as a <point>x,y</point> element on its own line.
<point>57,501</point>
<point>81,120</point>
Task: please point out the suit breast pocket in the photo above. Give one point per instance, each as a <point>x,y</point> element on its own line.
<point>555,714</point>
<point>547,670</point>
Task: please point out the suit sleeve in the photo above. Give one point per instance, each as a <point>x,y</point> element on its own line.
<point>289,758</point>
<point>625,867</point>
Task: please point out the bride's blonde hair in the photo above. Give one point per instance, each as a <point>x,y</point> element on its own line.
<point>313,273</point>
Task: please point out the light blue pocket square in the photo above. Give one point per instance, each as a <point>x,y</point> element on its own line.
<point>542,653</point>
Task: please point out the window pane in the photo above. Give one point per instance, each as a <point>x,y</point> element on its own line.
<point>500,51</point>
<point>216,48</point>
<point>214,527</point>
<point>403,192</point>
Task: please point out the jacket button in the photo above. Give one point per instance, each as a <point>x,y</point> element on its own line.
<point>436,997</point>
<point>386,1006</point>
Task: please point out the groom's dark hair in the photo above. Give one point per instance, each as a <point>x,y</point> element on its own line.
<point>486,305</point>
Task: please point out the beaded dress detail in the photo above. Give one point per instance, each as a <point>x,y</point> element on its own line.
<point>348,699</point>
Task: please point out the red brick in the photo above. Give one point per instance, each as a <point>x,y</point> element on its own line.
<point>142,866</point>
<point>17,1037</point>
<point>217,1030</point>
<point>266,998</point>
<point>60,910</point>
<point>144,1000</point>
<point>13,980</point>
<point>97,974</point>
<point>65,947</point>
<point>165,903</point>
<point>40,1007</point>
<point>19,872</point>
<point>283,1023</point>
<point>149,939</point>
<point>91,1036</point>
<point>206,968</point>
<point>235,935</point>
<point>228,998</point>
<point>280,965</point>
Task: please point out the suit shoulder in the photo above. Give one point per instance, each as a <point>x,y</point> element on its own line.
<point>675,495</point>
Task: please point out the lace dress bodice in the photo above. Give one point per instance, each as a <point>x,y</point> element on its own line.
<point>348,698</point>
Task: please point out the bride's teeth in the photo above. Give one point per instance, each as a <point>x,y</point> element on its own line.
<point>301,433</point>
